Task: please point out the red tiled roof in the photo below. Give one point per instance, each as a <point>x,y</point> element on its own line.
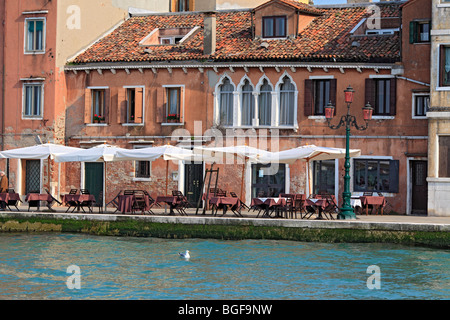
<point>327,38</point>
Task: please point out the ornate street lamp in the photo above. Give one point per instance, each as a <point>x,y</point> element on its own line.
<point>346,211</point>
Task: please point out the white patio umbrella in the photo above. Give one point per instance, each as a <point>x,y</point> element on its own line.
<point>168,152</point>
<point>242,152</point>
<point>103,152</point>
<point>39,152</point>
<point>308,153</point>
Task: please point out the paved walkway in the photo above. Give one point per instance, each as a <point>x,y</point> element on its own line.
<point>366,222</point>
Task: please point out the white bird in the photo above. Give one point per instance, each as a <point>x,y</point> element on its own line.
<point>185,255</point>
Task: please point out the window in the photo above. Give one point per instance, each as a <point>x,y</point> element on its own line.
<point>98,105</point>
<point>444,156</point>
<point>265,104</point>
<point>324,176</point>
<point>247,104</point>
<point>381,94</point>
<point>268,180</point>
<point>135,105</point>
<point>173,110</point>
<point>421,103</point>
<point>444,66</point>
<point>376,175</point>
<point>318,93</point>
<point>274,27</point>
<point>287,102</point>
<point>33,99</point>
<point>226,103</point>
<point>183,5</point>
<point>419,31</point>
<point>35,35</point>
<point>142,169</point>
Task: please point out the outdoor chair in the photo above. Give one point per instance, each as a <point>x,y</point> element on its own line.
<point>12,202</point>
<point>84,191</point>
<point>114,202</point>
<point>243,205</point>
<point>73,191</point>
<point>99,203</point>
<point>331,205</point>
<point>183,202</point>
<point>287,211</point>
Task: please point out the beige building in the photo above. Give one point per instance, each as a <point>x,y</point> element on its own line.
<point>439,113</point>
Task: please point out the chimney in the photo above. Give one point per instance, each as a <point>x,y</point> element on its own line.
<point>209,33</point>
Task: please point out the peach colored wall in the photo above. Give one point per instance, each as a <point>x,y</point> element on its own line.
<point>199,87</point>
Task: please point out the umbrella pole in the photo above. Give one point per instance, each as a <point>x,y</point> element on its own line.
<point>242,178</point>
<point>167,181</point>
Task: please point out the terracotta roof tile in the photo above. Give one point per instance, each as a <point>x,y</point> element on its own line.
<point>326,38</point>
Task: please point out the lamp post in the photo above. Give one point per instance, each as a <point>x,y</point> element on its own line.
<point>346,211</point>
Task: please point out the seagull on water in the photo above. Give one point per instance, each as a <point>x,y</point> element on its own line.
<point>185,255</point>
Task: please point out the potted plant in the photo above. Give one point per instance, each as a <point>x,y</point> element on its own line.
<point>173,117</point>
<point>98,119</point>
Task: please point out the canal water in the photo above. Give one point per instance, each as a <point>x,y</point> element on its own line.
<point>74,266</point>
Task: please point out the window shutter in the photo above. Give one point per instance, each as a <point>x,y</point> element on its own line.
<point>181,105</point>
<point>370,93</point>
<point>107,104</point>
<point>393,176</point>
<point>160,104</point>
<point>309,100</point>
<point>122,105</point>
<point>87,105</point>
<point>393,97</point>
<point>138,107</point>
<point>333,83</point>
<point>412,32</point>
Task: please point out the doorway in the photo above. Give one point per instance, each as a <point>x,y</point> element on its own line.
<point>93,178</point>
<point>193,179</point>
<point>32,176</point>
<point>419,187</point>
<point>268,180</point>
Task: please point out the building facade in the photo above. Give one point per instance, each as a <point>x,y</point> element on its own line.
<point>439,115</point>
<point>266,73</point>
<point>260,76</point>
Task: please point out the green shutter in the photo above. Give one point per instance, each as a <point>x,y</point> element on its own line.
<point>412,32</point>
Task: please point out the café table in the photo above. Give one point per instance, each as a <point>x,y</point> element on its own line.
<point>172,201</point>
<point>268,204</point>
<point>127,203</point>
<point>10,199</point>
<point>77,201</point>
<point>34,200</point>
<point>319,205</point>
<point>376,201</point>
<point>226,203</point>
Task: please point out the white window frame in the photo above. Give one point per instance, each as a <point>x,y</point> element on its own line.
<point>294,126</point>
<point>182,102</point>
<point>92,123</point>
<point>239,108</point>
<point>32,117</point>
<point>217,101</point>
<point>44,36</point>
<point>141,146</point>
<point>414,95</point>
<point>273,102</point>
<point>438,63</point>
<point>143,106</point>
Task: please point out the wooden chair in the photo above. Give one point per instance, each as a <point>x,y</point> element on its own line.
<point>183,202</point>
<point>99,203</point>
<point>114,202</point>
<point>243,205</point>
